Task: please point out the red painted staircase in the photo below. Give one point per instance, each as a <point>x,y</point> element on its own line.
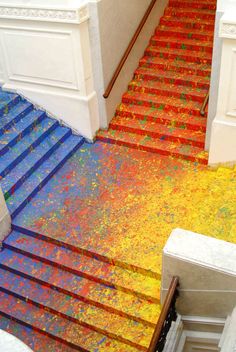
<point>160,112</point>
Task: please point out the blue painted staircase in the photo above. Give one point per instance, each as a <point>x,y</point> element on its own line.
<point>33,147</point>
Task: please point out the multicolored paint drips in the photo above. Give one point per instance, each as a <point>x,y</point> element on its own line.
<point>82,268</point>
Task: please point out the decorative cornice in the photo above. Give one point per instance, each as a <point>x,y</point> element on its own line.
<point>71,15</point>
<point>228,30</point>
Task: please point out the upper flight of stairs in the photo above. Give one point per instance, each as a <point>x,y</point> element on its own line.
<point>32,148</point>
<point>160,112</point>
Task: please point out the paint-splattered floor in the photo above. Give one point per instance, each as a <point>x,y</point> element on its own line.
<point>124,203</point>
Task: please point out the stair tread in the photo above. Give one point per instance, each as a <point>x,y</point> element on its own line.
<point>35,340</point>
<point>36,156</point>
<point>7,99</point>
<point>187,21</point>
<point>183,42</point>
<point>96,294</point>
<point>190,10</point>
<point>15,113</point>
<point>121,328</point>
<point>58,327</point>
<point>15,132</point>
<point>16,153</point>
<point>172,75</point>
<point>170,88</point>
<point>147,143</point>
<point>192,4</point>
<point>162,102</point>
<point>43,173</point>
<point>178,52</point>
<point>114,276</point>
<point>175,63</point>
<point>147,113</point>
<point>153,129</point>
<point>175,31</point>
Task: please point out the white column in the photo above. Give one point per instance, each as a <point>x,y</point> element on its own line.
<point>207,271</point>
<point>223,135</point>
<point>5,219</point>
<point>46,57</point>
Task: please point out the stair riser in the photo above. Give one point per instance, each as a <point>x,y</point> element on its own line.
<point>153,150</point>
<point>10,105</point>
<point>189,14</point>
<point>162,107</point>
<point>28,150</point>
<point>182,56</point>
<point>22,134</point>
<point>43,183</point>
<point>72,294</point>
<point>174,68</point>
<point>166,93</point>
<point>189,25</point>
<point>162,121</point>
<point>178,45</point>
<point>16,119</point>
<point>180,35</point>
<point>82,274</point>
<point>33,327</point>
<point>72,319</point>
<point>193,5</point>
<point>19,183</point>
<point>179,81</point>
<point>156,135</point>
<point>86,252</point>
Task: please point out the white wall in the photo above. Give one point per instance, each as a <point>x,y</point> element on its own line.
<point>5,219</point>
<point>117,23</point>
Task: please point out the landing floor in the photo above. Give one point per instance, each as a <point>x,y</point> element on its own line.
<point>124,203</point>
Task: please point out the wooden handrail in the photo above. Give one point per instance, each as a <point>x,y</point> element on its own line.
<point>128,50</point>
<point>164,313</point>
<point>204,104</point>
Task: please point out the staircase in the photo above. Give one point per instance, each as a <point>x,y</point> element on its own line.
<point>160,112</point>
<point>32,148</point>
<point>53,293</point>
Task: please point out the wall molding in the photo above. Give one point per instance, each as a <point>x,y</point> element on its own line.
<point>228,30</point>
<point>49,14</point>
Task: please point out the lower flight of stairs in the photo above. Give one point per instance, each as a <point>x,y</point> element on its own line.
<point>32,148</point>
<point>75,299</point>
<point>160,112</point>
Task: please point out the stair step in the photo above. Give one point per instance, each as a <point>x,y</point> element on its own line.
<point>7,101</point>
<point>37,180</point>
<point>98,295</point>
<point>185,44</point>
<point>144,114</point>
<point>167,89</point>
<point>59,328</point>
<point>88,267</point>
<point>179,54</point>
<point>119,328</point>
<point>203,5</point>
<point>188,23</point>
<point>162,102</point>
<point>164,31</point>
<point>172,77</point>
<point>19,130</point>
<point>190,13</point>
<point>176,66</point>
<point>14,115</point>
<point>38,342</point>
<point>33,160</point>
<point>22,148</point>
<point>158,131</point>
<point>149,144</point>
